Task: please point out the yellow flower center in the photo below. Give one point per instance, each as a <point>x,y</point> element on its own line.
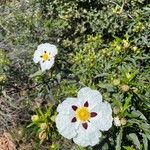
<point>82,114</point>
<point>45,56</point>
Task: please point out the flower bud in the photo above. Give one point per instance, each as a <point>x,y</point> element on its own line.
<point>116,110</point>
<point>35,118</point>
<point>118,48</point>
<point>2,78</point>
<point>42,135</point>
<point>43,126</point>
<point>125,88</point>
<point>126,44</point>
<point>135,48</point>
<point>116,82</point>
<point>53,146</point>
<point>117,121</point>
<point>123,121</point>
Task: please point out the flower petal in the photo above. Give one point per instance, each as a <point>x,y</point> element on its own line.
<point>42,47</point>
<point>65,127</point>
<point>49,48</point>
<point>66,106</point>
<point>37,56</point>
<point>93,97</point>
<point>89,136</point>
<point>47,64</point>
<point>103,120</point>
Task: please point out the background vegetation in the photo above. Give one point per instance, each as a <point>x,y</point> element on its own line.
<point>102,44</point>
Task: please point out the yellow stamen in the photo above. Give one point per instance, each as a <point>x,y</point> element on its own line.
<point>45,56</point>
<point>82,114</point>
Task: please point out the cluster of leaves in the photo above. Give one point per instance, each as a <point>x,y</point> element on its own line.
<point>3,65</point>
<point>43,124</point>
<point>102,44</point>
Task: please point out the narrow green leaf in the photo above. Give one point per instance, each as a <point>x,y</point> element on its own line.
<point>117,103</point>
<point>127,101</point>
<point>145,142</point>
<point>135,139</point>
<point>148,136</point>
<point>146,8</point>
<point>30,125</point>
<point>138,114</point>
<point>36,74</point>
<point>119,139</point>
<point>128,148</point>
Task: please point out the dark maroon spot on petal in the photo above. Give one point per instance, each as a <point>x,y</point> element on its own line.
<point>74,119</point>
<point>85,125</point>
<point>93,114</point>
<point>44,51</point>
<point>86,104</point>
<point>74,107</point>
<point>41,56</point>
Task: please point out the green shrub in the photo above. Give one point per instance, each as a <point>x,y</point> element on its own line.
<point>102,44</point>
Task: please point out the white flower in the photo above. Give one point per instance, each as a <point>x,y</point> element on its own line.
<point>45,54</point>
<point>83,117</point>
<point>117,121</point>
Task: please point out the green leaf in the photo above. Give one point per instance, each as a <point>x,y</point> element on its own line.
<point>109,87</point>
<point>128,148</point>
<point>135,139</point>
<point>30,125</point>
<point>146,8</point>
<point>144,126</point>
<point>145,40</point>
<point>119,139</point>
<point>133,75</point>
<point>127,101</point>
<point>117,103</point>
<point>138,114</point>
<point>36,74</point>
<point>80,148</point>
<point>147,135</point>
<point>53,118</point>
<point>145,142</point>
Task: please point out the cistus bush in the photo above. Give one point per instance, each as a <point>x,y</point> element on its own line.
<point>101,44</point>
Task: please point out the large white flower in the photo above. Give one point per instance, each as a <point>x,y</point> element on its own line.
<point>45,54</point>
<point>83,118</point>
